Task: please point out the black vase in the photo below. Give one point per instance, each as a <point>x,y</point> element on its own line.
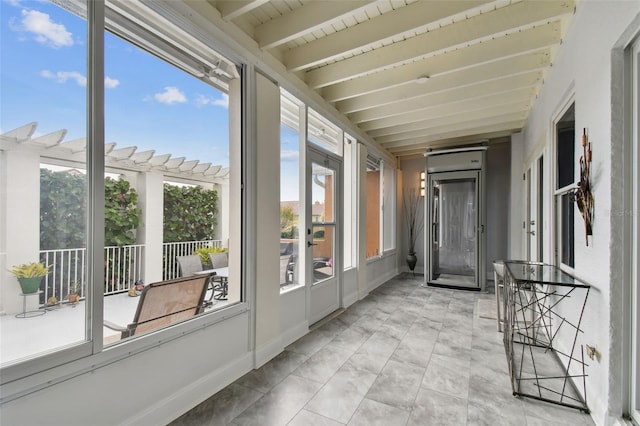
<point>412,260</point>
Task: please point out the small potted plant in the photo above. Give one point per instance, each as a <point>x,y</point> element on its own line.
<point>30,276</point>
<point>75,290</point>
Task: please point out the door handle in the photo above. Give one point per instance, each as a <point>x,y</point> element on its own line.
<point>531,232</point>
<point>309,244</point>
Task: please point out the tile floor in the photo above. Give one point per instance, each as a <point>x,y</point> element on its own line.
<point>404,355</point>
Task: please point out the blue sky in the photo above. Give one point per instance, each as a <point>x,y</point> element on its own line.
<point>149,104</point>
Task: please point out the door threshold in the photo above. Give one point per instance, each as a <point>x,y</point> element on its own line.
<point>454,286</point>
<point>326,319</point>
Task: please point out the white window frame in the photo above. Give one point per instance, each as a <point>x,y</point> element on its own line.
<point>43,371</point>
<point>558,193</point>
<point>349,218</point>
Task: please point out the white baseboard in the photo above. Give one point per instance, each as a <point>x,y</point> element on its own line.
<point>168,409</point>
<point>382,279</point>
<point>292,334</point>
<point>266,352</point>
<point>349,299</point>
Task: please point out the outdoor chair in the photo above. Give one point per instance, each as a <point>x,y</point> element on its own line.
<point>221,283</point>
<point>191,265</point>
<point>164,303</point>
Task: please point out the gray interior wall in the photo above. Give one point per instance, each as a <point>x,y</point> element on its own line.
<point>411,168</point>
<point>498,175</point>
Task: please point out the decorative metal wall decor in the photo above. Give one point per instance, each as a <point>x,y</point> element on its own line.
<point>583,195</point>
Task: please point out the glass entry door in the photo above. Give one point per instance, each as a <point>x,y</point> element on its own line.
<point>323,235</point>
<point>453,217</point>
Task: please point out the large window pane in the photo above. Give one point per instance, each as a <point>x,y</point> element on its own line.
<point>373,207</point>
<point>43,197</point>
<point>323,221</point>
<point>289,191</point>
<point>389,207</point>
<point>167,191</point>
<point>565,152</point>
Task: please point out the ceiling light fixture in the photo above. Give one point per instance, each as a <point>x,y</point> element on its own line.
<point>422,79</point>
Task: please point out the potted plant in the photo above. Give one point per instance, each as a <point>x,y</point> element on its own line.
<point>30,276</point>
<point>75,290</point>
<point>412,205</point>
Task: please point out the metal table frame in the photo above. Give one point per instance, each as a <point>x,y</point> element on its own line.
<point>540,340</point>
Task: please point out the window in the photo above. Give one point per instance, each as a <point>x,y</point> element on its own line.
<point>565,153</point>
<point>349,202</point>
<point>381,190</point>
<point>44,91</point>
<point>323,133</point>
<point>291,113</point>
<point>167,118</point>
<point>373,206</point>
<point>388,206</point>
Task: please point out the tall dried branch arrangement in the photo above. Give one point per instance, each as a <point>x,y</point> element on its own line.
<point>412,204</point>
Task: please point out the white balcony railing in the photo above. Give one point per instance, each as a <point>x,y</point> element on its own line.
<point>171,250</point>
<point>123,266</point>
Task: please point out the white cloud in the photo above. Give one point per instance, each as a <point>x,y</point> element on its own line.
<point>44,30</point>
<point>171,95</point>
<point>289,156</point>
<point>223,101</point>
<point>111,83</point>
<point>64,76</point>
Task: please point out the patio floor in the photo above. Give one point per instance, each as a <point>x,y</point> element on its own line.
<point>61,326</point>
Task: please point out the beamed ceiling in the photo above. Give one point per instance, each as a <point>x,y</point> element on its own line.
<point>485,61</point>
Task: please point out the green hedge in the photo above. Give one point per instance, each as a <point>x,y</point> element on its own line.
<point>190,213</point>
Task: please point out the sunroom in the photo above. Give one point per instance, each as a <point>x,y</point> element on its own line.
<point>290,135</point>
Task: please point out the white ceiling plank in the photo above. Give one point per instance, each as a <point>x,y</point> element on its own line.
<point>517,17</point>
<point>459,132</point>
<point>489,111</point>
<point>419,148</point>
<point>306,19</point>
<point>521,95</point>
<point>466,77</point>
<point>514,44</point>
<point>451,125</point>
<point>397,22</point>
<point>465,93</point>
<point>232,9</point>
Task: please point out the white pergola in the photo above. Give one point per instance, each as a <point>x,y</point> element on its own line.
<point>21,157</point>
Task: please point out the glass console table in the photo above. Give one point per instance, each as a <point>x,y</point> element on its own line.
<point>543,309</point>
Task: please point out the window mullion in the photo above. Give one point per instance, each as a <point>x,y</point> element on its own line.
<point>95,170</point>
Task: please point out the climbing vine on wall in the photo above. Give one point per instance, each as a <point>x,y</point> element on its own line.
<point>63,202</point>
<point>63,206</point>
<point>190,213</point>
<point>121,213</point>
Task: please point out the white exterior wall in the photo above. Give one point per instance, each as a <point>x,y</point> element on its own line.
<point>19,186</point>
<point>268,227</point>
<point>583,68</point>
